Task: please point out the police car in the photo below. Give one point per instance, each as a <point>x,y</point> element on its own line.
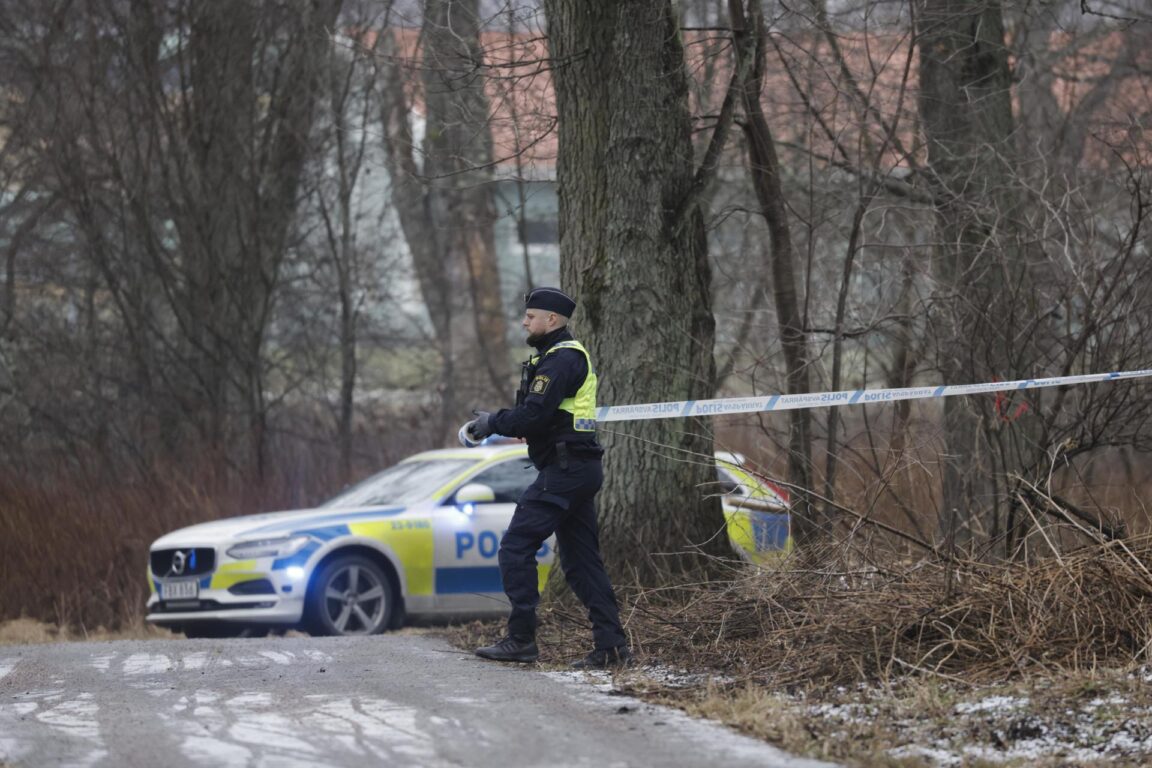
<point>416,540</point>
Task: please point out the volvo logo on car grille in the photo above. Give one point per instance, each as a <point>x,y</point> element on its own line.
<point>179,563</point>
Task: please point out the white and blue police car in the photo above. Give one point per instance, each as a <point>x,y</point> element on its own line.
<point>417,540</point>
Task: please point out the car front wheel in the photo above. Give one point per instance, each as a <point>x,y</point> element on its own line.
<point>350,595</point>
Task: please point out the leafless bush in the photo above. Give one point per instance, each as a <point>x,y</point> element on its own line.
<point>962,620</point>
<point>74,538</point>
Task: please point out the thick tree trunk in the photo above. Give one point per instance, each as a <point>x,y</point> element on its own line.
<point>635,258</point>
<point>220,133</point>
<point>965,104</point>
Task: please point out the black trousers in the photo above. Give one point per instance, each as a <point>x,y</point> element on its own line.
<point>561,501</point>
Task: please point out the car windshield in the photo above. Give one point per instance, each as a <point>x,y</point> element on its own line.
<point>404,483</point>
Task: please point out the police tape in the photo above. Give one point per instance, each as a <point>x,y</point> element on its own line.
<point>730,405</point>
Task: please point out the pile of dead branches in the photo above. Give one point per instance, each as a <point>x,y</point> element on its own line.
<point>972,621</point>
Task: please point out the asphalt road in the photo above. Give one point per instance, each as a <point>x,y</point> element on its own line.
<point>396,700</point>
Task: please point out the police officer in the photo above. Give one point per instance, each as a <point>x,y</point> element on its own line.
<point>556,412</point>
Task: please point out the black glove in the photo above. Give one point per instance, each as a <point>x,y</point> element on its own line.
<point>479,428</point>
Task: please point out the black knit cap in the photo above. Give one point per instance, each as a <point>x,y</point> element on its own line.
<point>550,300</point>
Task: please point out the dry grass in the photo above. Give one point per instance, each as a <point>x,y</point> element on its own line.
<point>1082,719</point>
<point>31,632</point>
<point>835,626</point>
<point>74,547</point>
<point>75,528</point>
<point>888,665</point>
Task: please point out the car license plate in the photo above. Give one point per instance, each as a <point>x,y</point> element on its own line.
<point>180,590</point>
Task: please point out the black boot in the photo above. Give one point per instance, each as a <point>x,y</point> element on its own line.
<point>606,658</point>
<point>510,649</point>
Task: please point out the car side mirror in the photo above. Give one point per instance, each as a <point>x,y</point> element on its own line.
<point>475,493</point>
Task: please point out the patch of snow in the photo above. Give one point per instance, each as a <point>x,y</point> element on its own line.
<point>718,739</point>
<point>677,678</point>
<point>102,661</point>
<point>854,712</point>
<point>205,750</point>
<point>599,679</point>
<point>146,664</point>
<point>1073,736</point>
<point>935,755</point>
<point>991,704</point>
<point>1096,703</point>
<point>250,701</point>
<point>77,719</point>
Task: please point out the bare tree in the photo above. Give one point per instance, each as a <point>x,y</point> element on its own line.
<point>196,251</point>
<point>764,167</point>
<point>634,253</point>
<point>444,198</point>
<point>349,121</point>
<point>877,283</point>
<point>965,101</point>
<point>174,137</point>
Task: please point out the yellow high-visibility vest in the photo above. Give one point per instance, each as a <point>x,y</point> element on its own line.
<point>583,405</point>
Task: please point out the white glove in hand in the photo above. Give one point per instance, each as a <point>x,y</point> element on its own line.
<point>465,436</point>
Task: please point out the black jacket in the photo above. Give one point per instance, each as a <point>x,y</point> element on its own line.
<point>537,416</point>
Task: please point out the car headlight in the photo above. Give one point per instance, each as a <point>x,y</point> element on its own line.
<point>285,546</point>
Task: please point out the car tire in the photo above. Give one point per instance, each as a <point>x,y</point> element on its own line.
<point>220,629</point>
<point>399,612</point>
<point>350,595</point>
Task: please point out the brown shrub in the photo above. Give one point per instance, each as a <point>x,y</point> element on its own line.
<point>799,626</point>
